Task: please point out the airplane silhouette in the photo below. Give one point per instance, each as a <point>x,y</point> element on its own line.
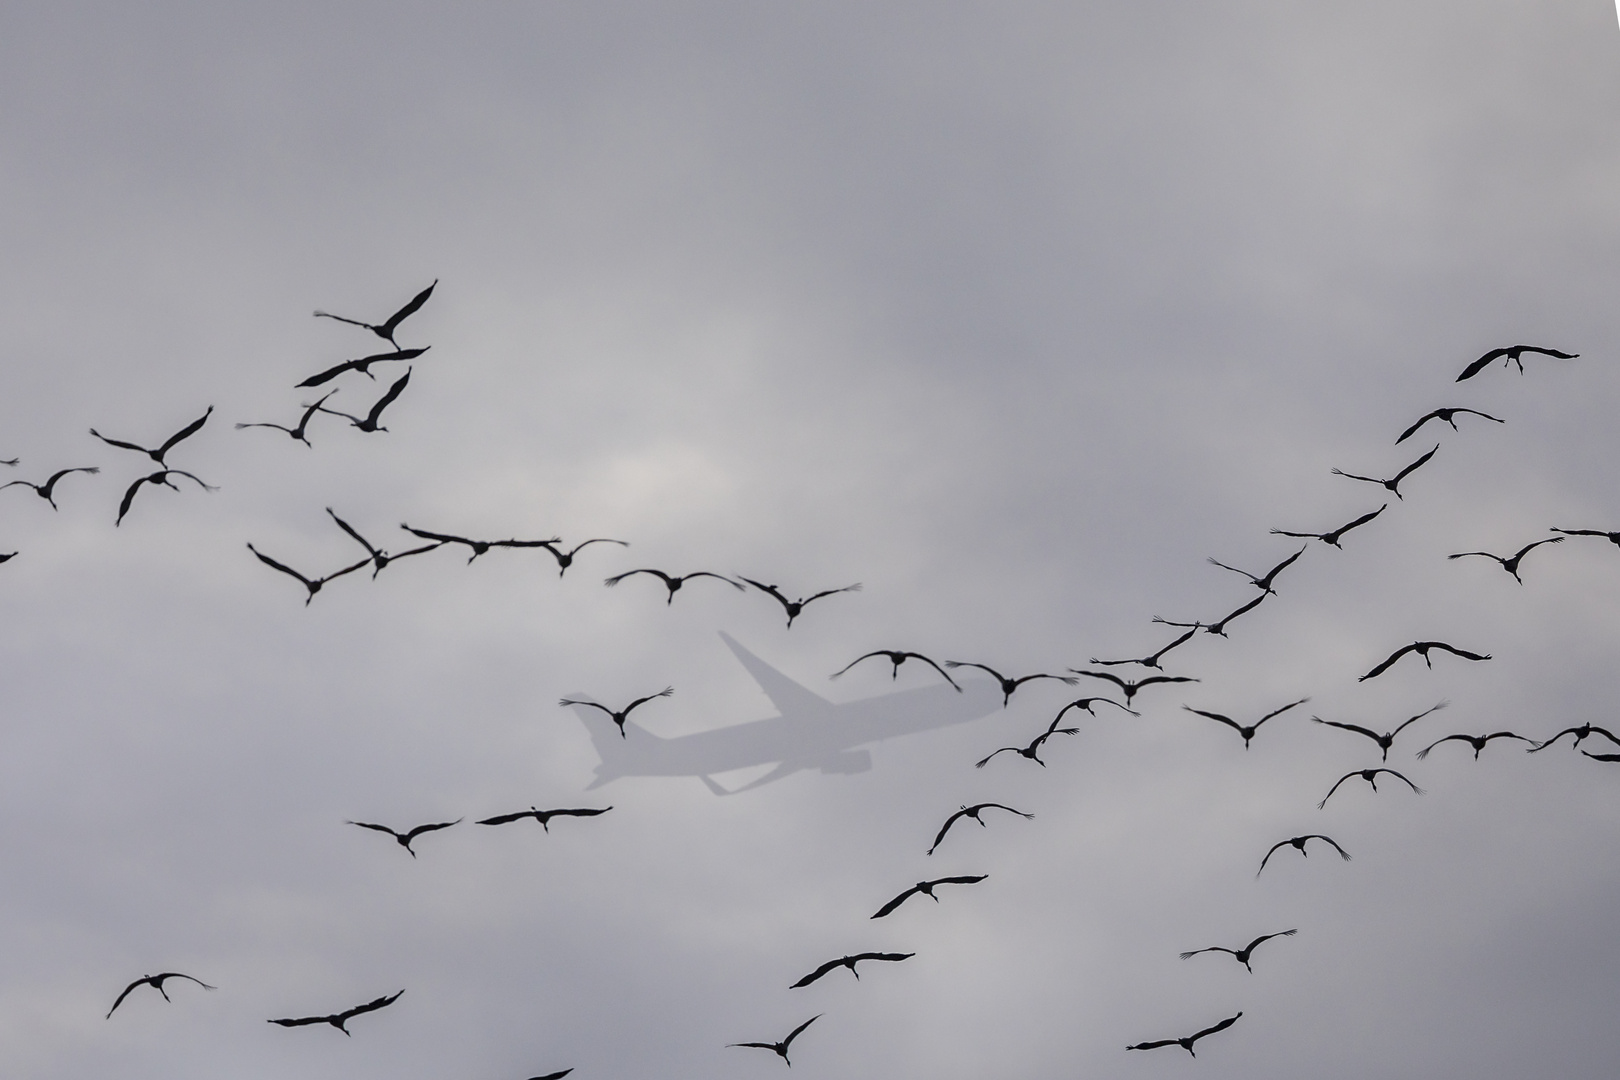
<point>810,732</point>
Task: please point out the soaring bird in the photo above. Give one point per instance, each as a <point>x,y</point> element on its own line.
<point>303,422</point>
<point>1086,703</point>
<point>1387,737</point>
<point>1334,536</point>
<point>369,424</point>
<point>385,329</point>
<point>379,558</point>
<point>1187,1043</point>
<point>1395,484</point>
<point>1514,353</point>
<point>1152,661</point>
<point>362,365</point>
<point>1262,583</point>
<point>927,889</point>
<point>404,839</point>
<point>46,489</point>
<point>1421,648</point>
<point>337,1020</point>
<point>1009,685</point>
<point>156,982</point>
<point>168,444</point>
<point>849,962</point>
<point>542,816</point>
<point>313,585</point>
<point>478,547</point>
<point>794,607</point>
<point>159,477</point>
<point>972,812</point>
<point>9,461</point>
<point>1219,625</point>
<point>672,582</point>
<point>781,1048</point>
<point>565,559</point>
<point>1130,688</point>
<point>619,715</point>
<point>1446,415</point>
<point>1298,844</point>
<point>1369,775</point>
<point>1611,537</point>
<point>1247,731</point>
<point>1244,953</point>
<point>1032,751</point>
<point>1581,734</point>
<point>897,657</point>
<point>1510,563</point>
<point>1476,741</point>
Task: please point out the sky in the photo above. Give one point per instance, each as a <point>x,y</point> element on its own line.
<point>1016,315</point>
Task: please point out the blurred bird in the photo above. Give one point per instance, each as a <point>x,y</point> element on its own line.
<point>1130,688</point>
<point>1510,563</point>
<point>45,490</point>
<point>1369,775</point>
<point>295,432</point>
<point>1446,415</point>
<point>1476,741</point>
<point>1395,484</point>
<point>385,329</point>
<point>1387,737</point>
<point>542,816</point>
<point>1263,583</point>
<point>362,365</point>
<point>1246,731</point>
<point>794,607</point>
<point>1152,661</point>
<point>156,982</point>
<point>972,812</point>
<point>849,962</point>
<point>1187,1043</point>
<point>781,1048</point>
<point>926,888</point>
<point>313,585</point>
<point>338,1020</point>
<point>897,658</point>
<point>478,547</point>
<point>1513,353</point>
<point>672,583</point>
<point>565,559</point>
<point>619,715</point>
<point>1422,649</point>
<point>1298,844</point>
<point>404,839</point>
<point>1009,685</point>
<point>1337,534</point>
<point>379,558</point>
<point>1612,537</point>
<point>160,477</point>
<point>168,444</point>
<point>1244,953</point>
<point>1581,734</point>
<point>369,424</point>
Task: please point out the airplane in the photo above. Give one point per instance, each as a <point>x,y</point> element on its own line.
<point>810,732</point>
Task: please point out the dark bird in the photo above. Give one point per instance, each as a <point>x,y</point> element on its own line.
<point>781,1048</point>
<point>1187,1043</point>
<point>311,584</point>
<point>1246,731</point>
<point>303,422</point>
<point>1421,648</point>
<point>1446,415</point>
<point>1130,688</point>
<point>10,461</point>
<point>1476,741</point>
<point>168,444</point>
<point>478,547</point>
<point>1334,536</point>
<point>1032,751</point>
<point>1395,484</point>
<point>542,816</point>
<point>1612,537</point>
<point>1510,563</point>
<point>404,839</point>
<point>1369,775</point>
<point>45,490</point>
<point>972,812</point>
<point>1244,953</point>
<point>673,584</point>
<point>1387,737</point>
<point>362,365</point>
<point>927,889</point>
<point>1580,733</point>
<point>337,1020</point>
<point>385,330</point>
<point>379,558</point>
<point>1298,843</point>
<point>1086,703</point>
<point>1152,661</point>
<point>794,607</point>
<point>553,1076</point>
<point>565,559</point>
<point>897,657</point>
<point>1219,626</point>
<point>1263,583</point>
<point>1514,353</point>
<point>619,715</point>
<point>160,477</point>
<point>1009,685</point>
<point>849,962</point>
<point>1602,757</point>
<point>156,982</point>
<point>8,556</point>
<point>369,424</point>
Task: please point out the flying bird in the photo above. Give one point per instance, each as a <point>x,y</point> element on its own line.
<point>303,422</point>
<point>1395,484</point>
<point>1387,737</point>
<point>10,461</point>
<point>1510,563</point>
<point>7,556</point>
<point>362,365</point>
<point>565,559</point>
<point>781,1048</point>
<point>1086,703</point>
<point>1421,648</point>
<point>553,1076</point>
<point>1187,1043</point>
<point>404,839</point>
<point>478,547</point>
<point>1476,741</point>
<point>1513,353</point>
<point>338,1020</point>
<point>379,558</point>
<point>672,583</point>
<point>1152,661</point>
<point>313,585</point>
<point>1369,775</point>
<point>1612,537</point>
<point>1247,731</point>
<point>926,888</point>
<point>1009,685</point>
<point>619,715</point>
<point>1443,414</point>
<point>973,812</point>
<point>1217,627</point>
<point>1262,583</point>
<point>1130,688</point>
<point>849,962</point>
<point>159,477</point>
<point>1244,953</point>
<point>156,982</point>
<point>369,424</point>
<point>385,330</point>
<point>897,657</point>
<point>1334,536</point>
<point>45,490</point>
<point>794,607</point>
<point>168,444</point>
<point>1581,734</point>
<point>1032,751</point>
<point>1298,843</point>
<point>542,816</point>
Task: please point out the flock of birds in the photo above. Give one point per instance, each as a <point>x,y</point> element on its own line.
<point>1100,670</point>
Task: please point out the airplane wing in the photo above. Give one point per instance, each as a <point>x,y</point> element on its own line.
<point>789,697</point>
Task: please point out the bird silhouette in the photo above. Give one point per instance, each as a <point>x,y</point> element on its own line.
<point>619,715</point>
<point>1387,737</point>
<point>1187,1043</point>
<point>926,888</point>
<point>159,477</point>
<point>794,607</point>
<point>7,556</point>
<point>1476,741</point>
<point>362,365</point>
<point>385,329</point>
<point>1244,953</point>
<point>1395,484</point>
<point>1513,353</point>
<point>565,559</point>
<point>338,1020</point>
<point>1422,649</point>
<point>542,816</point>
<point>781,1048</point>
<point>1130,688</point>
<point>1009,685</point>
<point>1032,751</point>
<point>1262,583</point>
<point>156,982</point>
<point>369,424</point>
<point>1298,844</point>
<point>313,585</point>
<point>1510,563</point>
<point>404,839</point>
<point>1086,703</point>
<point>1218,626</point>
<point>1611,537</point>
<point>379,558</point>
<point>303,422</point>
<point>1152,661</point>
<point>850,962</point>
<point>45,490</point>
<point>1443,414</point>
<point>1581,734</point>
<point>1602,757</point>
<point>972,812</point>
<point>478,547</point>
<point>897,657</point>
<point>9,461</point>
<point>671,582</point>
<point>553,1076</point>
<point>1336,535</point>
<point>168,444</point>
<point>1247,731</point>
<point>1369,775</point>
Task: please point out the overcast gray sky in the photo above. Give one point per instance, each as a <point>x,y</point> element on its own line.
<point>1014,314</point>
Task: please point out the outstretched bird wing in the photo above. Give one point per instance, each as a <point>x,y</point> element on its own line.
<point>818,973</point>
<point>1482,363</point>
<point>665,692</point>
<point>185,433</point>
<point>1380,669</point>
<point>502,819</point>
<point>370,1006</point>
<point>124,995</point>
<point>388,399</point>
<point>794,1034</point>
<point>1335,787</point>
<point>1267,937</point>
<point>1404,472</point>
<point>947,828</point>
<point>1227,720</point>
<point>1222,1026</point>
<point>420,829</point>
<point>1464,653</point>
<point>378,828</point>
<point>387,329</point>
